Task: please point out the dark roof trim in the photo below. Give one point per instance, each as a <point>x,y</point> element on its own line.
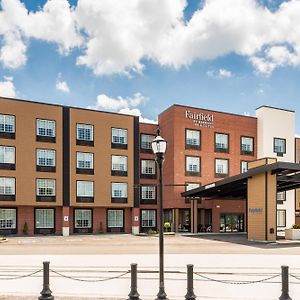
<point>278,108</point>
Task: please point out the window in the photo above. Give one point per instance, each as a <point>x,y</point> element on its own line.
<point>85,135</point>
<point>221,167</point>
<point>146,141</point>
<point>279,146</point>
<point>7,126</point>
<point>148,218</point>
<point>221,142</point>
<point>119,138</point>
<point>8,218</point>
<point>148,192</point>
<point>191,186</point>
<point>83,218</point>
<point>192,140</point>
<point>148,169</point>
<point>45,128</point>
<point>119,192</point>
<point>192,166</point>
<point>45,187</point>
<point>85,189</point>
<point>280,197</point>
<point>247,145</point>
<point>115,218</point>
<point>44,218</point>
<point>45,160</point>
<point>7,188</point>
<point>281,218</point>
<point>119,165</point>
<point>85,160</point>
<point>7,157</point>
<point>244,166</point>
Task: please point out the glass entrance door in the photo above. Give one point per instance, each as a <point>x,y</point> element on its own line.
<point>232,223</point>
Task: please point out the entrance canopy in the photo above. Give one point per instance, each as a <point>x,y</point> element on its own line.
<point>288,178</point>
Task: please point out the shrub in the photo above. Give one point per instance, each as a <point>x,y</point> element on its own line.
<point>296,226</point>
<point>151,231</point>
<point>25,228</point>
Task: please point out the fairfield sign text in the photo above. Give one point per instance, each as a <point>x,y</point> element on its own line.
<point>200,119</point>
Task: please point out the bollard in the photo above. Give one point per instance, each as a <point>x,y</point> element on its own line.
<point>134,295</point>
<point>285,283</point>
<point>46,292</point>
<point>190,285</point>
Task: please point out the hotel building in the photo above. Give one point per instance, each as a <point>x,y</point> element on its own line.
<point>66,170</point>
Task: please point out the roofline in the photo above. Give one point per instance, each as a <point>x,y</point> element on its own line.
<point>209,110</point>
<point>67,106</point>
<point>278,108</point>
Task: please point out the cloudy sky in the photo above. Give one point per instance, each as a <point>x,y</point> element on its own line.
<point>141,56</point>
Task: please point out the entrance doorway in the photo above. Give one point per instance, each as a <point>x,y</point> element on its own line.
<point>184,224</point>
<point>232,222</point>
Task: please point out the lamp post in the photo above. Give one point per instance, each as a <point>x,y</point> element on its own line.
<point>159,146</point>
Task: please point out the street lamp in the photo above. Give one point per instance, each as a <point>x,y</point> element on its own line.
<point>159,146</point>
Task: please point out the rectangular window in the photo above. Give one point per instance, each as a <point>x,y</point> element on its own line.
<point>45,187</point>
<point>119,192</point>
<point>192,166</point>
<point>119,138</point>
<point>191,186</point>
<point>148,192</point>
<point>85,160</point>
<point>45,157</point>
<point>7,124</point>
<point>192,139</point>
<point>146,141</point>
<point>44,218</point>
<point>85,132</point>
<point>279,146</point>
<point>115,218</point>
<point>8,218</point>
<point>281,196</point>
<point>244,166</point>
<point>119,165</point>
<point>221,167</point>
<point>247,145</point>
<point>221,142</point>
<point>7,157</point>
<point>83,218</point>
<point>85,188</point>
<point>45,128</point>
<point>148,167</point>
<point>148,218</point>
<point>7,186</point>
<point>281,218</point>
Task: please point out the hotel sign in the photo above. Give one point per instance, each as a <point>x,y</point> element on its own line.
<point>200,119</point>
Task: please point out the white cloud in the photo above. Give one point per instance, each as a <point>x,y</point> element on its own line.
<point>115,37</point>
<point>225,73</point>
<point>62,86</point>
<point>128,105</point>
<point>221,73</point>
<point>7,87</point>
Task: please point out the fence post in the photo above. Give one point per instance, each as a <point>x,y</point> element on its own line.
<point>134,295</point>
<point>190,285</point>
<point>46,292</point>
<point>285,283</point>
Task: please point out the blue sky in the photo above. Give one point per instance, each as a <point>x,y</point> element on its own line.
<point>146,71</point>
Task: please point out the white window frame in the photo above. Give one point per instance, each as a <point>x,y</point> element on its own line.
<point>86,128</point>
<point>85,216</point>
<point>146,141</point>
<point>8,218</point>
<point>222,141</point>
<point>247,144</point>
<point>192,137</point>
<point>148,218</point>
<point>119,189</point>
<point>46,125</point>
<point>85,160</point>
<point>7,154</point>
<point>192,185</point>
<point>119,136</point>
<point>148,167</point>
<point>243,169</point>
<point>7,123</point>
<point>281,218</point>
<point>281,196</point>
<point>148,192</point>
<point>84,188</point>
<point>119,163</point>
<point>7,186</point>
<point>219,169</point>
<point>44,218</point>
<point>277,148</point>
<point>192,164</point>
<point>46,184</point>
<point>117,220</point>
<point>47,155</point>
